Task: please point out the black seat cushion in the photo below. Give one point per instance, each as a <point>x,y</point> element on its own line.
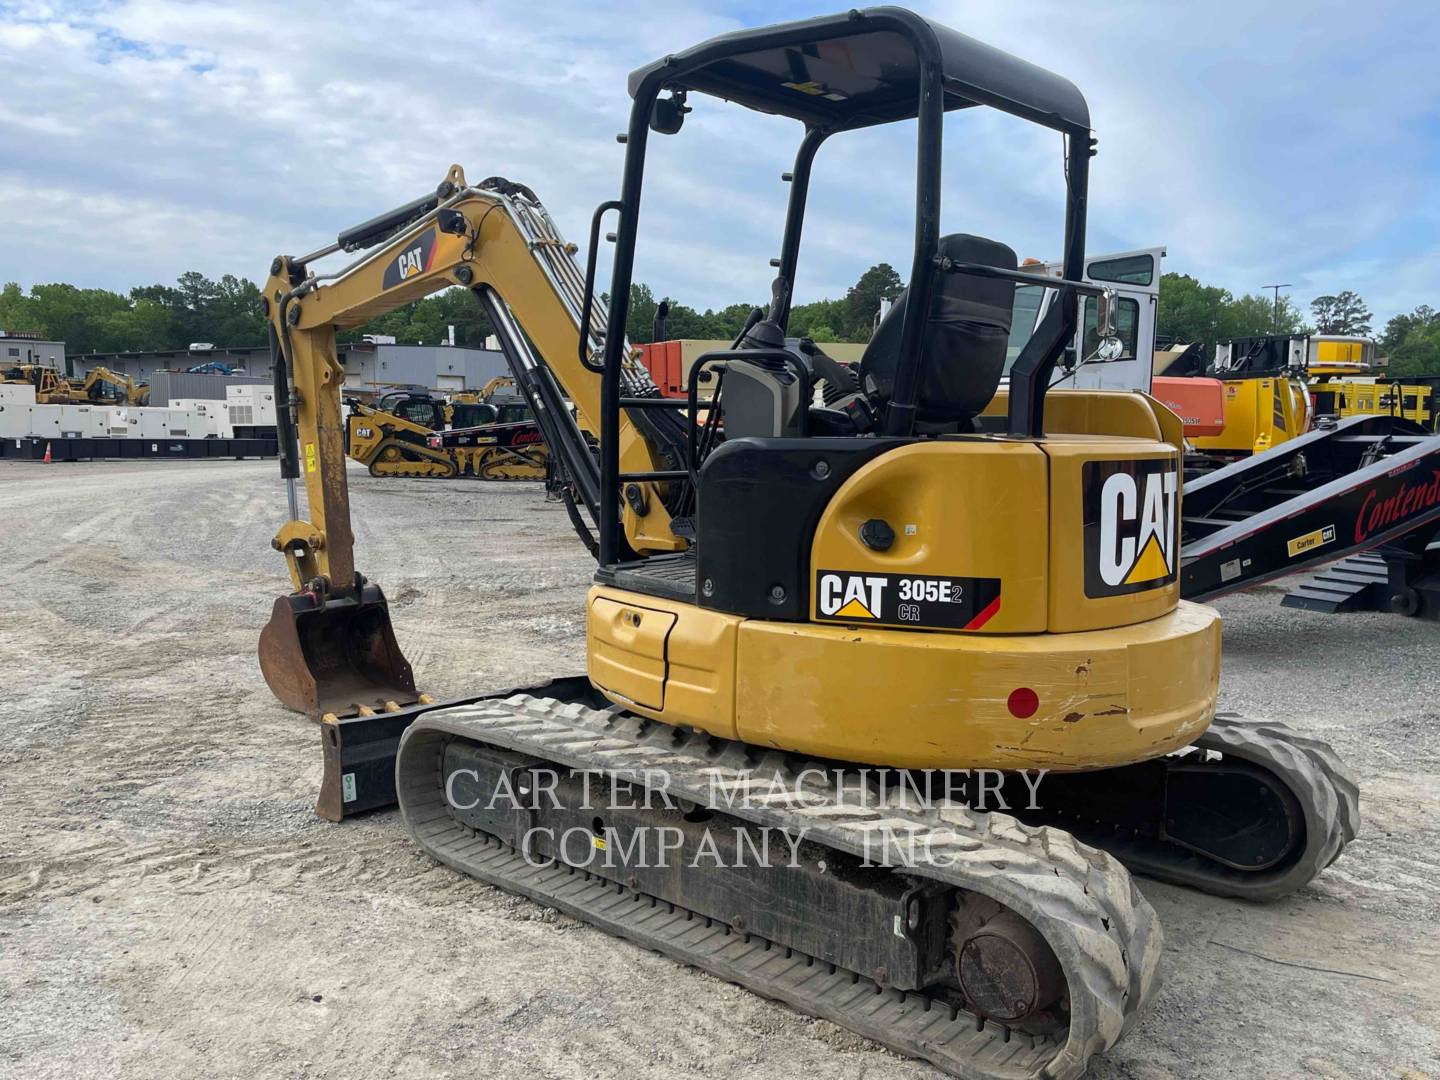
<point>965,336</point>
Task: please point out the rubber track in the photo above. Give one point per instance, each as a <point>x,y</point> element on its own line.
<point>410,455</point>
<point>1082,900</point>
<point>504,458</point>
<point>1328,798</point>
<point>488,463</point>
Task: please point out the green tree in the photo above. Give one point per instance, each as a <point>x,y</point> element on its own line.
<point>1412,342</point>
<point>1401,326</point>
<point>729,320</point>
<point>1190,311</point>
<point>234,316</point>
<point>850,318</point>
<point>683,321</point>
<point>427,323</point>
<point>75,316</point>
<point>640,316</point>
<point>1343,313</point>
<point>818,320</point>
<point>226,312</point>
<point>138,327</point>
<point>1255,315</point>
<point>16,309</point>
<point>862,301</point>
<point>463,311</point>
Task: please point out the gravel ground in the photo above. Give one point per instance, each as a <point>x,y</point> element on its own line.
<point>170,907</point>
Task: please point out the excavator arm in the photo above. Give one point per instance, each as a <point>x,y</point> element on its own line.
<point>126,388</point>
<point>329,647</point>
<point>51,389</point>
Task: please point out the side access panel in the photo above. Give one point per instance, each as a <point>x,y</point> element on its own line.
<point>627,649</point>
<point>664,658</point>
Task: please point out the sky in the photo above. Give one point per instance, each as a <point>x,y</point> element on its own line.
<point>1259,143</point>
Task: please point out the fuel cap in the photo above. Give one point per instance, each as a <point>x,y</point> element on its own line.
<point>877,535</point>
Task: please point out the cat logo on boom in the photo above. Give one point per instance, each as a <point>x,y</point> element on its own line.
<point>414,260</point>
<point>1132,525</point>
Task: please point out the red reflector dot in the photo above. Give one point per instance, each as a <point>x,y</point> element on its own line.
<point>1023,702</point>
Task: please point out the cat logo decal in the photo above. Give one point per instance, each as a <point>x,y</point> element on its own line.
<point>1132,525</point>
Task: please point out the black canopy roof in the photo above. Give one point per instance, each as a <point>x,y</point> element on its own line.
<point>862,68</point>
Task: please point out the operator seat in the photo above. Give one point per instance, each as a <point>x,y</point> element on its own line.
<point>965,336</point>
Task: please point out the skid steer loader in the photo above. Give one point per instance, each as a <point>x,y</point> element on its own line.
<point>809,622</point>
<point>408,433</point>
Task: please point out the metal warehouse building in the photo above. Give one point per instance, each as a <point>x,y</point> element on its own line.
<point>20,347</point>
<point>367,366</point>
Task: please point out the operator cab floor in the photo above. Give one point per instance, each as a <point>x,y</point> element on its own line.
<point>669,577</point>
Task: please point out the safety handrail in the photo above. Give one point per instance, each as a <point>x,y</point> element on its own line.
<point>589,300</point>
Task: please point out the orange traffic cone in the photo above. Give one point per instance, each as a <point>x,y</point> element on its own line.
<point>47,453</point>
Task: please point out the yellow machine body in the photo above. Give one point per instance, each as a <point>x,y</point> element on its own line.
<point>1070,648</point>
<point>1347,355</point>
<point>1346,397</point>
<point>46,380</point>
<point>1260,413</point>
<point>390,444</point>
<point>1027,613</point>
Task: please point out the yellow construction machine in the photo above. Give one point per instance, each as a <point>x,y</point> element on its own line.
<point>101,386</point>
<point>1345,380</point>
<point>504,403</point>
<point>1267,400</point>
<point>810,624</point>
<point>46,380</point>
<point>412,433</point>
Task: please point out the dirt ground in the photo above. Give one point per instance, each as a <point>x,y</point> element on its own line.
<point>170,907</point>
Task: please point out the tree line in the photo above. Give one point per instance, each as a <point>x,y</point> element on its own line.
<point>850,318</point>
<point>227,312</point>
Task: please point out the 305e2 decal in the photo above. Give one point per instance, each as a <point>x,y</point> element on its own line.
<point>914,600</point>
<point>1132,525</point>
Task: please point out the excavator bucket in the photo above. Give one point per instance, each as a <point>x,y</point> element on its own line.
<point>335,656</point>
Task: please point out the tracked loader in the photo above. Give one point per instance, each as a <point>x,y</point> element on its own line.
<point>407,433</point>
<point>809,625</point>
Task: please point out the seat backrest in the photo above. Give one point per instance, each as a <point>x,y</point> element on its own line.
<point>966,333</point>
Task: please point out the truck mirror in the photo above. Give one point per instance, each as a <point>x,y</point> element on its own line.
<point>1110,346</point>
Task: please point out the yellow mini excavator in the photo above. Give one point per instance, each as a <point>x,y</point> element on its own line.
<point>809,623</point>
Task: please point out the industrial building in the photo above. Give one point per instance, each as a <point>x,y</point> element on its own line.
<point>25,347</point>
<point>367,365</point>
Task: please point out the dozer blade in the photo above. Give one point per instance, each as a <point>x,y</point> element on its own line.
<point>338,656</point>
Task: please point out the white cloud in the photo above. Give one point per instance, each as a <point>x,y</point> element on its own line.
<point>1281,142</point>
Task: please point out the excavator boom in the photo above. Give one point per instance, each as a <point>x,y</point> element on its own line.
<point>329,647</point>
